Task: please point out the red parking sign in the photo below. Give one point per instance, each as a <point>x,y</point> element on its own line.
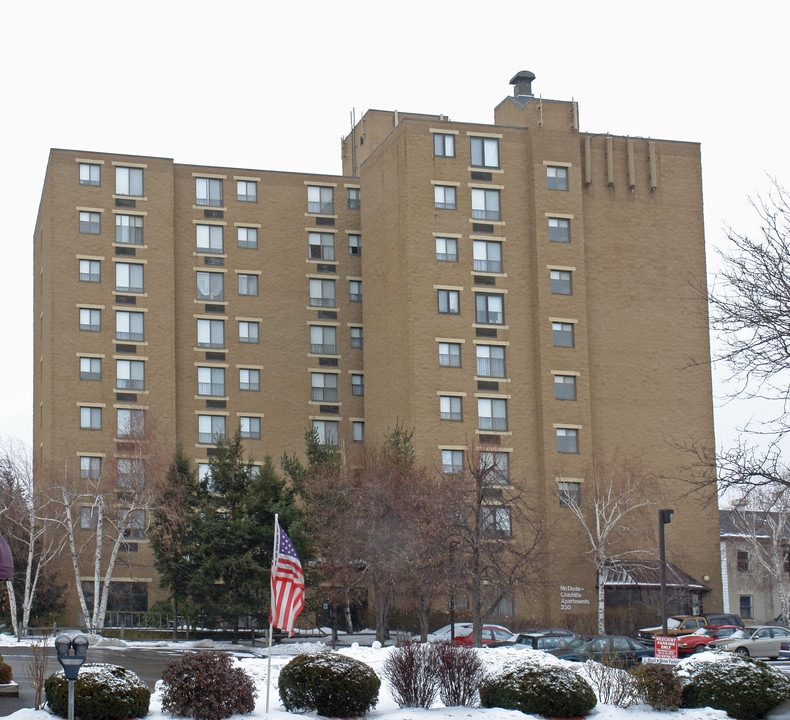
<point>666,647</point>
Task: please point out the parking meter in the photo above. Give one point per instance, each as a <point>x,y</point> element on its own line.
<point>71,655</point>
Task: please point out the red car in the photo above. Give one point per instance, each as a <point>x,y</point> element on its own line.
<point>491,633</point>
<point>697,641</point>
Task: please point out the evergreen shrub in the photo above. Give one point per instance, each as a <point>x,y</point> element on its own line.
<point>658,686</point>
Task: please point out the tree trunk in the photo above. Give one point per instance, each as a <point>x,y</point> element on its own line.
<point>12,607</point>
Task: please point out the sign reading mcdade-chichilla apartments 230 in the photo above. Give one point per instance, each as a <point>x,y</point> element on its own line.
<point>571,596</point>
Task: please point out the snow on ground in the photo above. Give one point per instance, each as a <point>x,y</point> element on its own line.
<point>386,709</point>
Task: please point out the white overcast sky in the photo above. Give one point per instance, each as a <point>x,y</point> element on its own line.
<point>271,85</point>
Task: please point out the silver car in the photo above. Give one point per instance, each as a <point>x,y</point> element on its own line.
<point>762,641</point>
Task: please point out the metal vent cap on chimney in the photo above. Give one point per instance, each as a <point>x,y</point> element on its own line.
<point>522,83</point>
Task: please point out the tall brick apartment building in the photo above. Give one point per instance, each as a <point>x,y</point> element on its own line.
<point>522,286</point>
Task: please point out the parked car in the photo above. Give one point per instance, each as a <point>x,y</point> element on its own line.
<point>678,625</point>
<point>616,649</point>
<point>762,641</point>
<point>699,639</point>
<point>463,634</point>
<point>549,639</point>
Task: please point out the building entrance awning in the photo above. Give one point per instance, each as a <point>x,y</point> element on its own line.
<point>647,574</point>
<point>6,561</point>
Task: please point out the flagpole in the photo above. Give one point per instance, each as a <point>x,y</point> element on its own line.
<point>271,611</point>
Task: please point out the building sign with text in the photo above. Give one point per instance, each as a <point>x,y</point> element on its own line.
<point>572,598</point>
<point>666,647</point>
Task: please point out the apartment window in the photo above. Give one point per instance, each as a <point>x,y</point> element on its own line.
<point>211,381</point>
<point>90,467</point>
<point>129,229</point>
<point>356,337</point>
<point>492,414</point>
<point>355,290</point>
<point>211,429</point>
<point>561,282</point>
<point>249,379</point>
<point>743,561</point>
<point>489,309</point>
<point>485,204</point>
<point>443,145</point>
<point>90,319</point>
<point>90,174</point>
<point>129,277</point>
<point>90,222</point>
<point>247,237</point>
<point>129,181</point>
<point>323,387</point>
<point>129,326</point>
<point>565,387</point>
<point>746,610</point>
<point>130,374</point>
<point>246,191</point>
<point>323,340</point>
<point>354,244</point>
<point>568,441</point>
<point>208,191</point>
<point>249,331</point>
<point>248,284</point>
<point>321,246</point>
<point>209,238</point>
<point>327,431</point>
<point>490,360</point>
<point>352,198</point>
<point>562,334</point>
<point>556,177</point>
<point>358,431</point>
<point>496,520</point>
<point>358,385</point>
<point>450,354</point>
<point>250,427</point>
<point>446,249</point>
<point>90,271</point>
<point>487,256</point>
<point>450,408</point>
<point>570,494</point>
<point>559,230</point>
<point>320,199</point>
<point>211,333</point>
<point>322,293</point>
<point>134,523</point>
<point>89,518</point>
<point>485,152</point>
<point>90,368</point>
<point>452,461</point>
<point>449,302</point>
<point>131,473</point>
<point>444,197</point>
<point>90,418</point>
<point>495,467</point>
<point>130,423</point>
<point>210,286</point>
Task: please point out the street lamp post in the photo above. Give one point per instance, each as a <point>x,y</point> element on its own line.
<point>71,662</point>
<point>664,518</point>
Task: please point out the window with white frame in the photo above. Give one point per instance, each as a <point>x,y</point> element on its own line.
<point>567,440</point>
<point>209,238</point>
<point>323,387</point>
<point>556,177</point>
<point>129,277</point>
<point>358,431</point>
<point>129,181</point>
<point>250,427</point>
<point>495,467</point>
<point>129,229</point>
<point>90,368</point>
<point>562,334</point>
<point>204,475</point>
<point>352,198</point>
<point>321,246</point>
<point>131,473</point>
<point>130,422</point>
<point>129,326</point>
<point>90,270</point>
<point>133,522</point>
<point>357,384</point>
<point>130,374</point>
<point>247,237</point>
<point>355,290</point>
<point>211,429</point>
<point>444,197</point>
<point>90,222</point>
<point>356,338</point>
<point>208,191</point>
<point>249,331</point>
<point>354,244</point>
<point>446,249</point>
<point>90,319</point>
<point>449,301</point>
<point>90,174</point>
<point>452,461</point>
<point>565,387</point>
<point>322,293</point>
<point>248,284</point>
<point>487,256</point>
<point>210,333</point>
<point>443,145</point>
<point>327,431</point>
<point>450,354</point>
<point>492,414</point>
<point>89,518</point>
<point>450,408</point>
<point>559,230</point>
<point>489,309</point>
<point>249,379</point>
<point>246,191</point>
<point>210,286</point>
<point>211,381</point>
<point>490,360</point>
<point>496,520</point>
<point>484,152</point>
<point>485,204</point>
<point>90,467</point>
<point>320,199</point>
<point>570,493</point>
<point>561,282</point>
<point>323,339</point>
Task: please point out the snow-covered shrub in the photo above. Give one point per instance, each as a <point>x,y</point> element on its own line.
<point>206,685</point>
<point>334,685</point>
<point>6,673</point>
<point>745,689</point>
<point>550,690</point>
<point>612,682</point>
<point>102,691</point>
<point>658,686</point>
<point>411,670</point>
<point>460,671</point>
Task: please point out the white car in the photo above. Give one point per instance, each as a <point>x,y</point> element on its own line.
<point>762,641</point>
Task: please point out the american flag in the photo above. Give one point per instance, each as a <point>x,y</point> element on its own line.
<point>287,583</point>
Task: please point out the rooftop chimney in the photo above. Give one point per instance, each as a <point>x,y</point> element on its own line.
<point>522,83</point>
